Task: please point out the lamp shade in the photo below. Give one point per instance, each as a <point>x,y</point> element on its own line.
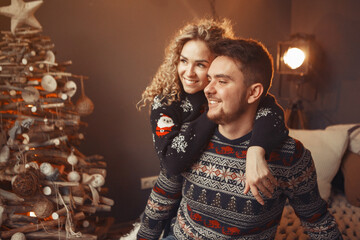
<point>294,56</point>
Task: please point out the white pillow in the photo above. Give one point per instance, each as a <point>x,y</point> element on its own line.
<point>327,148</point>
<point>354,141</point>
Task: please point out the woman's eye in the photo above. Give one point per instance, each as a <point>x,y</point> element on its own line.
<point>183,60</point>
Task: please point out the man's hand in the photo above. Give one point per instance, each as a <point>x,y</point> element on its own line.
<point>258,175</point>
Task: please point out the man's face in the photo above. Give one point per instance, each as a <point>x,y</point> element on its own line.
<point>226,92</point>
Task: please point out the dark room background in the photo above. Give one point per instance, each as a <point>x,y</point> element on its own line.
<point>120,43</point>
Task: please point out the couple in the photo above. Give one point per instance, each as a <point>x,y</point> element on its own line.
<point>212,118</point>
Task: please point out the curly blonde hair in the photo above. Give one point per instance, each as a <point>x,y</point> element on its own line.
<point>166,83</point>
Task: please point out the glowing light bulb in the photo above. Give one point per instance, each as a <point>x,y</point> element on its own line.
<point>32,214</point>
<point>294,57</point>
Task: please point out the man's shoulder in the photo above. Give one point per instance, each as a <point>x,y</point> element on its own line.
<point>288,152</point>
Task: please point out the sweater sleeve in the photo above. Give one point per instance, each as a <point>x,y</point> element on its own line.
<point>269,128</point>
<point>302,191</point>
<point>162,204</point>
<point>179,143</point>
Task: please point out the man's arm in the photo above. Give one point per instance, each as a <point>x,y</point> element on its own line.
<point>302,191</point>
<point>162,204</point>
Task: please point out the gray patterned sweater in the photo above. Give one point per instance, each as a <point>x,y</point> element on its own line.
<point>213,205</point>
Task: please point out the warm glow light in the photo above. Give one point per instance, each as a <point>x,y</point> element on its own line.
<point>32,214</point>
<point>294,57</point>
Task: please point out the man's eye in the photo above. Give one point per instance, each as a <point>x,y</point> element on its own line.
<point>222,82</point>
<point>201,65</point>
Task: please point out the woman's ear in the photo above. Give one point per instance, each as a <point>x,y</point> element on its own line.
<point>255,91</point>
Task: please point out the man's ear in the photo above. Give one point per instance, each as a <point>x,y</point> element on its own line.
<point>254,92</point>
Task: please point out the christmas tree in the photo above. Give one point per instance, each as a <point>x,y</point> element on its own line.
<point>48,188</point>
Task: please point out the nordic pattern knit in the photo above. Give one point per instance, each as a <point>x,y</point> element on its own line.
<point>213,205</point>
<point>181,131</point>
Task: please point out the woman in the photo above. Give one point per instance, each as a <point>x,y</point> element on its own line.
<point>181,129</point>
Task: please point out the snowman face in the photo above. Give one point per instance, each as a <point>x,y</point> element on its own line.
<point>98,180</point>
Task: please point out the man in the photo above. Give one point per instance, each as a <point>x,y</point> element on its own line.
<point>213,205</point>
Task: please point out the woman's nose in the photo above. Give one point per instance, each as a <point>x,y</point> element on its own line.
<point>190,70</point>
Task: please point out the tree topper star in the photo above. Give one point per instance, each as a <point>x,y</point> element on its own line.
<point>22,12</point>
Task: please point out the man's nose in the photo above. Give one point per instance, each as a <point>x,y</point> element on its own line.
<point>210,88</point>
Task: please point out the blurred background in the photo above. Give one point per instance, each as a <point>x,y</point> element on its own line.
<point>119,44</point>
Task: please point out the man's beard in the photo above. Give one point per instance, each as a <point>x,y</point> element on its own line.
<point>221,118</point>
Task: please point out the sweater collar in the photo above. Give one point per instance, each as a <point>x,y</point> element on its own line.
<point>196,97</point>
<point>236,141</point>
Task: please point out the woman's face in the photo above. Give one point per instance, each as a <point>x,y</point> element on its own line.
<point>195,60</point>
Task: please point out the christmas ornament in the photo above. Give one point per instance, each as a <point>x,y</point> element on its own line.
<point>43,208</point>
<point>73,176</point>
<point>48,83</point>
<point>97,180</point>
<point>30,94</point>
<point>4,154</point>
<point>33,165</point>
<point>25,184</point>
<point>84,105</point>
<point>49,171</point>
<point>70,88</point>
<point>72,159</point>
<point>21,13</point>
<point>50,57</point>
<point>18,236</point>
<point>47,191</point>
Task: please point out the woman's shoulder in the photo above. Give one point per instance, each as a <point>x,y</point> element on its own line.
<point>161,101</point>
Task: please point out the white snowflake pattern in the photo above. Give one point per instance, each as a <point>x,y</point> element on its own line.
<point>179,143</point>
<point>186,105</point>
<point>157,103</point>
<point>262,112</point>
<point>210,171</point>
<point>225,174</point>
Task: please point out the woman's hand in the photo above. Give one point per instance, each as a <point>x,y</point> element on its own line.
<point>258,175</point>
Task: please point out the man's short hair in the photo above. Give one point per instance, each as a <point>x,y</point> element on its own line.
<point>253,59</point>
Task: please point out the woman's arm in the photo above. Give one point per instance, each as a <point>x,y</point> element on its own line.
<point>178,143</point>
<point>268,132</point>
<point>269,129</point>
